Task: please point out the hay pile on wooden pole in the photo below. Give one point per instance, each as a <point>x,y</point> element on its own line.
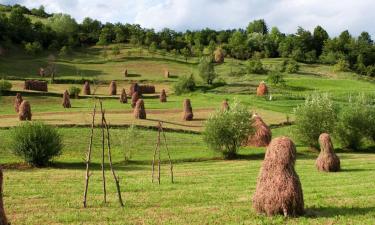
<point>139,110</point>
<point>86,88</point>
<point>219,55</point>
<point>3,218</point>
<point>17,102</point>
<point>188,110</point>
<point>163,96</point>
<point>123,96</point>
<point>113,88</point>
<point>66,100</point>
<point>327,160</point>
<point>262,89</point>
<point>278,188</point>
<point>262,136</point>
<point>135,98</point>
<point>225,105</point>
<point>24,111</point>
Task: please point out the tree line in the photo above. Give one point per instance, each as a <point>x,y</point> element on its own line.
<point>60,32</point>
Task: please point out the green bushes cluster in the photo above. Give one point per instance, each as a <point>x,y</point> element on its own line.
<point>289,66</point>
<point>276,78</point>
<point>74,91</point>
<point>185,84</point>
<point>255,66</point>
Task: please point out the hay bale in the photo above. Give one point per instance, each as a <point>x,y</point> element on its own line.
<point>113,88</point>
<point>134,87</point>
<point>24,111</point>
<point>146,89</point>
<point>262,89</point>
<point>86,88</point>
<point>225,105</point>
<point>327,160</point>
<point>262,136</point>
<point>166,74</point>
<point>188,110</point>
<point>219,55</point>
<point>17,102</point>
<point>66,100</point>
<point>3,218</point>
<point>35,85</point>
<point>135,98</point>
<point>163,96</point>
<point>278,189</point>
<point>123,96</point>
<point>139,110</point>
<point>125,73</point>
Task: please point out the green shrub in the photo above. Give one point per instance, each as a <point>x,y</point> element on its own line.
<point>74,91</point>
<point>64,51</point>
<point>129,140</point>
<point>33,48</point>
<point>5,85</point>
<point>206,70</point>
<point>341,66</point>
<point>370,71</point>
<point>36,142</point>
<point>225,130</point>
<point>289,66</point>
<point>276,78</point>
<point>185,84</point>
<point>255,66</point>
<point>317,115</point>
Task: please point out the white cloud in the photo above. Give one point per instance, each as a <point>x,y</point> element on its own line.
<point>334,15</point>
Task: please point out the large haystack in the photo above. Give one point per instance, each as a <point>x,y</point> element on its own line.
<point>225,105</point>
<point>24,111</point>
<point>139,110</point>
<point>163,96</point>
<point>3,218</point>
<point>262,89</point>
<point>113,88</point>
<point>166,74</point>
<point>327,160</point>
<point>262,136</point>
<point>66,100</point>
<point>134,87</point>
<point>86,88</point>
<point>188,110</point>
<point>17,102</point>
<point>135,98</point>
<point>278,188</point>
<point>123,96</point>
<point>219,55</point>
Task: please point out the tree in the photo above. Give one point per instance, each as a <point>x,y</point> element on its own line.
<point>206,70</point>
<point>186,53</point>
<point>63,24</point>
<point>319,36</point>
<point>257,26</point>
<point>237,43</point>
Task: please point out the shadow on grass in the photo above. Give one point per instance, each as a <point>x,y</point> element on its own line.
<point>260,156</point>
<point>133,75</point>
<point>332,211</point>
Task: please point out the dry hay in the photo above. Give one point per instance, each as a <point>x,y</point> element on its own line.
<point>125,73</point>
<point>135,98</point>
<point>146,89</point>
<point>86,88</point>
<point>163,96</point>
<point>3,218</point>
<point>139,110</point>
<point>25,111</point>
<point>327,160</point>
<point>188,110</point>
<point>66,100</point>
<point>134,87</point>
<point>278,188</point>
<point>166,74</point>
<point>123,96</point>
<point>225,105</point>
<point>262,89</point>
<point>113,88</point>
<point>17,102</point>
<point>262,136</point>
<point>219,55</point>
<point>35,85</point>
<point>42,72</point>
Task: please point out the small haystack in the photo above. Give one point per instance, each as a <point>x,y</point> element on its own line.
<point>262,136</point>
<point>17,102</point>
<point>262,89</point>
<point>135,98</point>
<point>219,55</point>
<point>86,88</point>
<point>166,74</point>
<point>134,87</point>
<point>188,110</point>
<point>225,105</point>
<point>24,111</point>
<point>125,73</point>
<point>278,188</point>
<point>66,100</point>
<point>113,88</point>
<point>123,96</point>
<point>327,160</point>
<point>163,96</point>
<point>146,89</point>
<point>139,110</point>
<point>3,218</point>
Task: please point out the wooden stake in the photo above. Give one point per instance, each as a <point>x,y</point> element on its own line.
<point>103,173</point>
<point>169,156</point>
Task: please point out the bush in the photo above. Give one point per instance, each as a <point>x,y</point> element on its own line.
<point>5,85</point>
<point>74,91</point>
<point>370,71</point>
<point>116,50</point>
<point>33,48</point>
<point>225,130</point>
<point>36,142</point>
<point>206,70</point>
<point>64,51</point>
<point>317,115</point>
<point>275,78</point>
<point>289,66</point>
<point>341,66</point>
<point>185,84</point>
<point>128,139</point>
<point>255,66</point>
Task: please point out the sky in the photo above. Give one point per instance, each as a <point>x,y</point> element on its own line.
<point>334,15</point>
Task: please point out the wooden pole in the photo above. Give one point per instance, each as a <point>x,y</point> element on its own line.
<point>159,156</point>
<point>102,164</point>
<point>169,156</point>
<point>153,162</point>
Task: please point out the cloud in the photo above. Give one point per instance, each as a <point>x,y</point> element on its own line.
<point>334,15</point>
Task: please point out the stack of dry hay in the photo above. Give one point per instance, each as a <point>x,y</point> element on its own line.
<point>188,110</point>
<point>113,88</point>
<point>262,136</point>
<point>24,111</point>
<point>66,100</point>
<point>163,96</point>
<point>262,89</point>
<point>17,102</point>
<point>3,218</point>
<point>135,98</point>
<point>146,89</point>
<point>123,96</point>
<point>86,88</point>
<point>35,85</point>
<point>134,87</point>
<point>327,160</point>
<point>278,188</point>
<point>219,55</point>
<point>139,110</point>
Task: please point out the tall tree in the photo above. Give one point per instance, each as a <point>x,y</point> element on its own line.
<point>257,26</point>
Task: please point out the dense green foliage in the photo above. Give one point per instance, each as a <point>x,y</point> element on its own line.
<point>74,91</point>
<point>255,66</point>
<point>185,84</point>
<point>276,78</point>
<point>5,85</point>
<point>206,70</point>
<point>289,66</point>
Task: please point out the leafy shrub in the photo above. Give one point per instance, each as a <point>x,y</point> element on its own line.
<point>185,84</point>
<point>33,48</point>
<point>289,66</point>
<point>116,50</point>
<point>128,140</point>
<point>64,51</point>
<point>5,85</point>
<point>207,70</point>
<point>74,91</point>
<point>317,115</point>
<point>225,130</point>
<point>276,78</point>
<point>341,66</point>
<point>255,66</point>
<point>370,71</point>
<point>36,142</point>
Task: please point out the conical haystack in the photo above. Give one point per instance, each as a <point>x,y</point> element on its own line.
<point>86,88</point>
<point>262,89</point>
<point>17,102</point>
<point>113,88</point>
<point>24,111</point>
<point>262,136</point>
<point>66,100</point>
<point>327,160</point>
<point>3,218</point>
<point>123,96</point>
<point>134,87</point>
<point>139,110</point>
<point>163,96</point>
<point>279,189</point>
<point>188,110</point>
<point>219,55</point>
<point>135,98</point>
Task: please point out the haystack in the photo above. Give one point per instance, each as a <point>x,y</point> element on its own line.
<point>135,98</point>
<point>327,160</point>
<point>113,88</point>
<point>225,105</point>
<point>134,87</point>
<point>35,85</point>
<point>17,102</point>
<point>219,55</point>
<point>262,136</point>
<point>278,188</point>
<point>139,110</point>
<point>262,89</point>
<point>188,110</point>
<point>66,100</point>
<point>86,88</point>
<point>24,111</point>
<point>166,74</point>
<point>125,73</point>
<point>163,96</point>
<point>123,96</point>
<point>146,89</point>
<point>3,218</point>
